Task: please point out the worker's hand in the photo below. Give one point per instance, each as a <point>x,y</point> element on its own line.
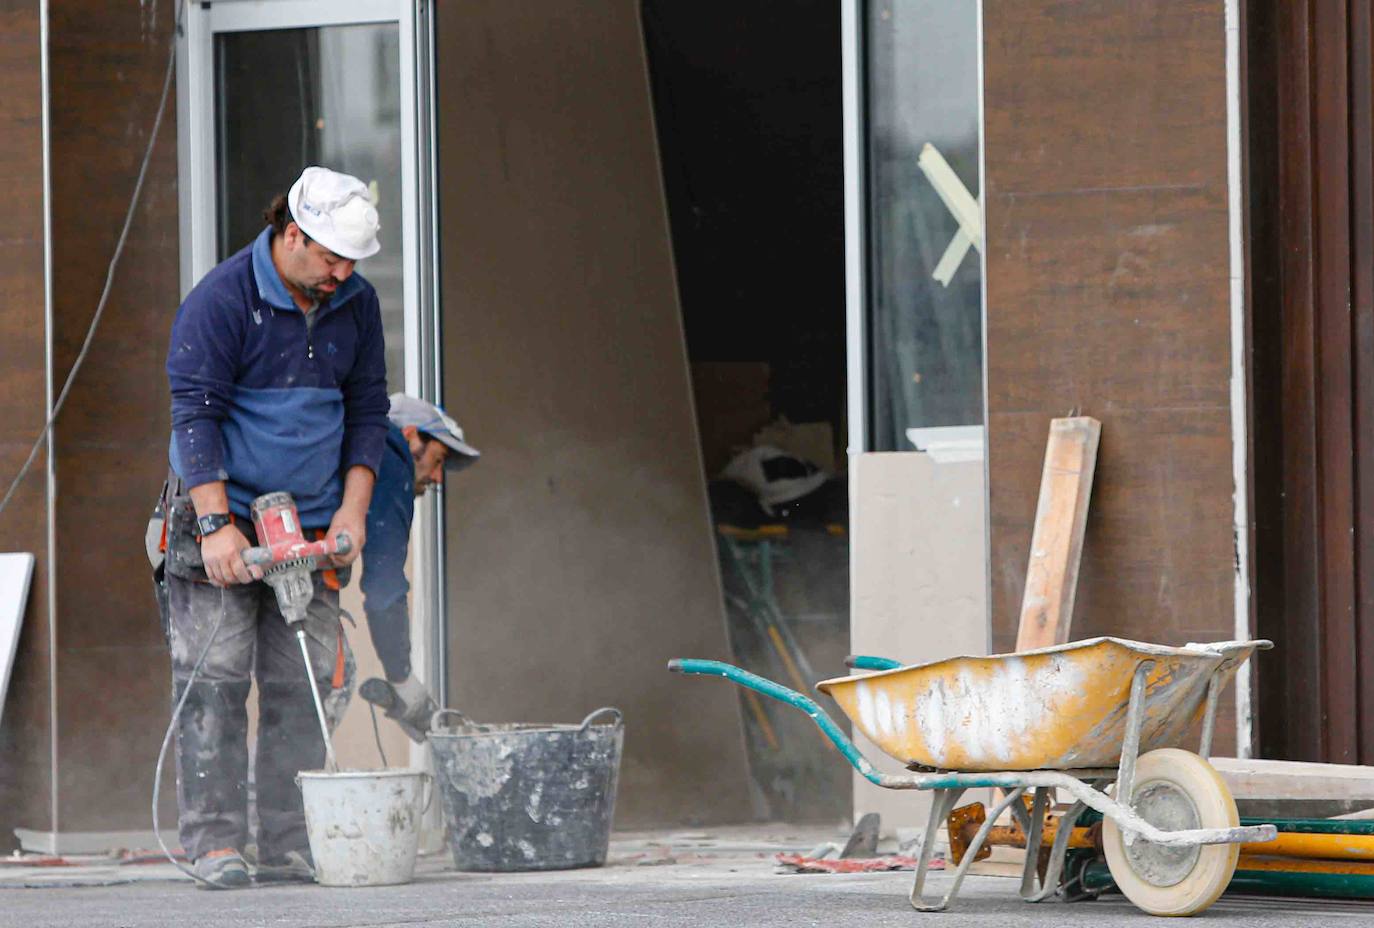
<point>352,524</point>
<point>222,553</point>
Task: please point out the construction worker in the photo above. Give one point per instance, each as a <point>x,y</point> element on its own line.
<point>421,443</point>
<point>278,382</point>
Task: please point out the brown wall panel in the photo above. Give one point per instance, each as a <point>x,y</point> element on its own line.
<point>111,438</point>
<point>1309,85</point>
<point>1153,550</point>
<point>25,728</point>
<point>580,556</point>
<point>108,741</point>
<point>1102,94</point>
<point>1107,293</point>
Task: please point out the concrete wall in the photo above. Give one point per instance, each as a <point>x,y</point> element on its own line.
<point>580,557</point>
<point>1108,292</point>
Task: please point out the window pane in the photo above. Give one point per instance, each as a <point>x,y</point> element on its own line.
<point>290,98</point>
<point>925,334</point>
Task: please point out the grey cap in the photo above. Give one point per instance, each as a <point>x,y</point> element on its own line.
<point>434,422</point>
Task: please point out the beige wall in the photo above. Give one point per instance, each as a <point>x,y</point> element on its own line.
<point>580,553</point>
<point>919,584</point>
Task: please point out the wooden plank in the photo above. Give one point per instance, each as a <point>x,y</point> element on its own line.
<point>1249,778</point>
<point>1057,541</point>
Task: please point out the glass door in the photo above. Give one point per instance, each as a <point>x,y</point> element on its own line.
<point>922,223</point>
<point>268,87</point>
<point>330,95</point>
<point>914,278</point>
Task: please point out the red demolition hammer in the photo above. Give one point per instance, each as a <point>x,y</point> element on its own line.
<point>288,560</point>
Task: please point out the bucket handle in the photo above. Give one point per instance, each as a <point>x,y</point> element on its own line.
<point>436,720</point>
<point>429,791</point>
<point>619,719</point>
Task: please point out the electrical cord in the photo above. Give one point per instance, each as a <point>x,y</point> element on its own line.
<point>114,261</point>
<point>167,739</point>
<point>377,733</point>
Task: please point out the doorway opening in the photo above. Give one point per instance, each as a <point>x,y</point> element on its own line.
<point>748,107</point>
<point>265,90</point>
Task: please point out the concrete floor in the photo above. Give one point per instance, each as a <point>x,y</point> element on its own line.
<point>726,877</point>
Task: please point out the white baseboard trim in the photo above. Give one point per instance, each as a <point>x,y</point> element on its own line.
<point>90,842</point>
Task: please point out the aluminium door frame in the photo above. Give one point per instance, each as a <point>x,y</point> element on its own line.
<point>196,173</point>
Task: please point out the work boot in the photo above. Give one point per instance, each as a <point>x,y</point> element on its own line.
<point>291,867</point>
<point>222,869</point>
<point>407,703</point>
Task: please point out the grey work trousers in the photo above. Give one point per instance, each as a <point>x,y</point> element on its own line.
<point>253,640</point>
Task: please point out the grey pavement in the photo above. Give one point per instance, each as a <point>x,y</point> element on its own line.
<point>653,880</point>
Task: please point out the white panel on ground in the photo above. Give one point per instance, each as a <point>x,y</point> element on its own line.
<point>919,584</point>
<point>15,573</point>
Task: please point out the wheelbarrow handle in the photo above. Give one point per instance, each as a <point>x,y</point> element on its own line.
<point>782,694</point>
<point>871,662</point>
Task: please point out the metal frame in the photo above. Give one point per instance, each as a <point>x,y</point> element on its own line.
<point>853,88</point>
<point>1240,412</point>
<point>1088,787</point>
<point>421,294</point>
<point>49,398</point>
<point>855,225</point>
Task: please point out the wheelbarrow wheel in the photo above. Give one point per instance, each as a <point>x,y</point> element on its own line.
<point>1174,790</point>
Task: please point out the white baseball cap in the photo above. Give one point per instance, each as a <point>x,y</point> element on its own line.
<point>335,210</point>
<point>437,424</point>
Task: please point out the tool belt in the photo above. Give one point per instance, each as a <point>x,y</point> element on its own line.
<point>178,544</point>
<point>173,540</point>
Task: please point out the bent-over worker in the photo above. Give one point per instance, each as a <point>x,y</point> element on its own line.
<point>421,442</point>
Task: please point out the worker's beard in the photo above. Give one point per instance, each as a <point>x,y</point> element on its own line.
<point>313,289</point>
<point>318,295</point>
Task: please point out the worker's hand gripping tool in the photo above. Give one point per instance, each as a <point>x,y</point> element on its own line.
<point>284,554</point>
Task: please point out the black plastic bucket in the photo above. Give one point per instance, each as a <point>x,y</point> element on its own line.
<point>528,797</point>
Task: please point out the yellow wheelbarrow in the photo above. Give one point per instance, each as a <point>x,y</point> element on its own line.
<point>1080,718</point>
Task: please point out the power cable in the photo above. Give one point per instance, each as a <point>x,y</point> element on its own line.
<point>177,31</point>
<point>377,733</point>
<point>167,739</point>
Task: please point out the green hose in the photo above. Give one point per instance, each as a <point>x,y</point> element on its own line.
<point>1097,878</point>
<point>1305,826</point>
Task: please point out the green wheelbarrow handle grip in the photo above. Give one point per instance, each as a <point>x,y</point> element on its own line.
<point>871,662</point>
<point>781,693</point>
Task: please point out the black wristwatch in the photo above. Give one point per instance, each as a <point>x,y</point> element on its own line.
<point>211,523</point>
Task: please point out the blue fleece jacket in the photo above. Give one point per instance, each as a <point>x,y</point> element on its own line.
<point>388,528</point>
<point>264,402</point>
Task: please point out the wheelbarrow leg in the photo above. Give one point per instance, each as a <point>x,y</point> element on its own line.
<point>1130,746</point>
<point>939,812</point>
<point>1022,816</point>
<point>1058,852</point>
<point>1033,828</point>
<point>1209,717</point>
<point>941,804</point>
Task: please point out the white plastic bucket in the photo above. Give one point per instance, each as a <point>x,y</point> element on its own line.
<point>364,826</point>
